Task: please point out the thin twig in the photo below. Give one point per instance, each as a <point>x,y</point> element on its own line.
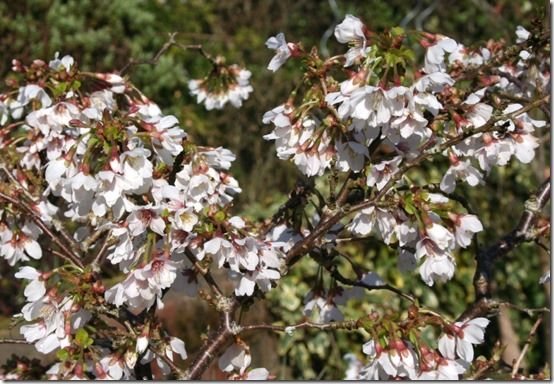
<point>102,252</point>
<point>205,273</point>
<point>486,258</point>
<point>57,224</point>
<point>178,371</point>
<point>67,254</point>
<point>347,324</point>
<point>14,341</point>
<point>154,60</point>
<point>526,346</point>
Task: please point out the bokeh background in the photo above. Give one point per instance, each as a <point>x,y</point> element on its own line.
<point>103,34</point>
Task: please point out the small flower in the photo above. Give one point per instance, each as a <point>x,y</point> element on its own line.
<point>283,51</point>
<point>36,288</point>
<point>223,84</point>
<point>522,34</point>
<point>381,173</point>
<point>65,62</point>
<point>460,170</point>
<point>352,31</point>
<point>465,227</point>
<point>374,219</point>
<point>460,337</point>
<point>434,58</point>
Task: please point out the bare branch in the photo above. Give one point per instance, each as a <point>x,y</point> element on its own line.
<point>486,258</point>
<point>14,341</point>
<point>154,60</point>
<point>347,325</point>
<point>526,346</point>
<point>205,274</point>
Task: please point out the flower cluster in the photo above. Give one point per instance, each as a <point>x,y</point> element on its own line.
<point>408,117</point>
<point>224,84</point>
<point>401,360</point>
<point>140,194</point>
<point>95,173</point>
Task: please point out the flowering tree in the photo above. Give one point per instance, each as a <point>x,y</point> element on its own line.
<point>125,207</point>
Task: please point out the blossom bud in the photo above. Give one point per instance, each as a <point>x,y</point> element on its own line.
<point>98,287</point>
<point>131,358</point>
<point>78,370</point>
<point>100,373</point>
<point>37,63</point>
<point>412,312</point>
<point>76,307</point>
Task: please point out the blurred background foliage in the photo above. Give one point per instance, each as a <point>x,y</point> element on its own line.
<point>103,34</point>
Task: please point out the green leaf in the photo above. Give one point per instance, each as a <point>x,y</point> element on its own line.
<point>219,216</point>
<point>81,337</point>
<point>62,354</point>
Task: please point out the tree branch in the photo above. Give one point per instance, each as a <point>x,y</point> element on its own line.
<point>154,60</point>
<point>485,258</point>
<point>67,254</point>
<point>532,333</point>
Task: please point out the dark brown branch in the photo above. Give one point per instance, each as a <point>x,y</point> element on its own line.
<point>336,275</point>
<point>212,348</point>
<point>205,274</point>
<point>523,232</point>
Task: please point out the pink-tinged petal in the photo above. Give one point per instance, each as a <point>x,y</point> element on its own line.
<point>448,182</point>
<point>369,349</point>
<point>448,44</point>
<point>387,365</point>
<point>472,223</point>
<point>474,330</point>
<point>33,332</point>
<point>33,249</point>
<point>246,287</point>
<point>168,122</point>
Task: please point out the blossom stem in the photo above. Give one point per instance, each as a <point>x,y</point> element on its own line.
<point>67,254</point>
<point>57,223</point>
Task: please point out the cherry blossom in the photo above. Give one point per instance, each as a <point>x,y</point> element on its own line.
<point>282,48</point>
<point>459,342</point>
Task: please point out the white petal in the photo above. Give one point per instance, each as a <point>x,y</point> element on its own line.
<point>27,272</point>
<point>34,290</point>
<point>33,249</point>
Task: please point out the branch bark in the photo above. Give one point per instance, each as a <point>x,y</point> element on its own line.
<point>486,258</point>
